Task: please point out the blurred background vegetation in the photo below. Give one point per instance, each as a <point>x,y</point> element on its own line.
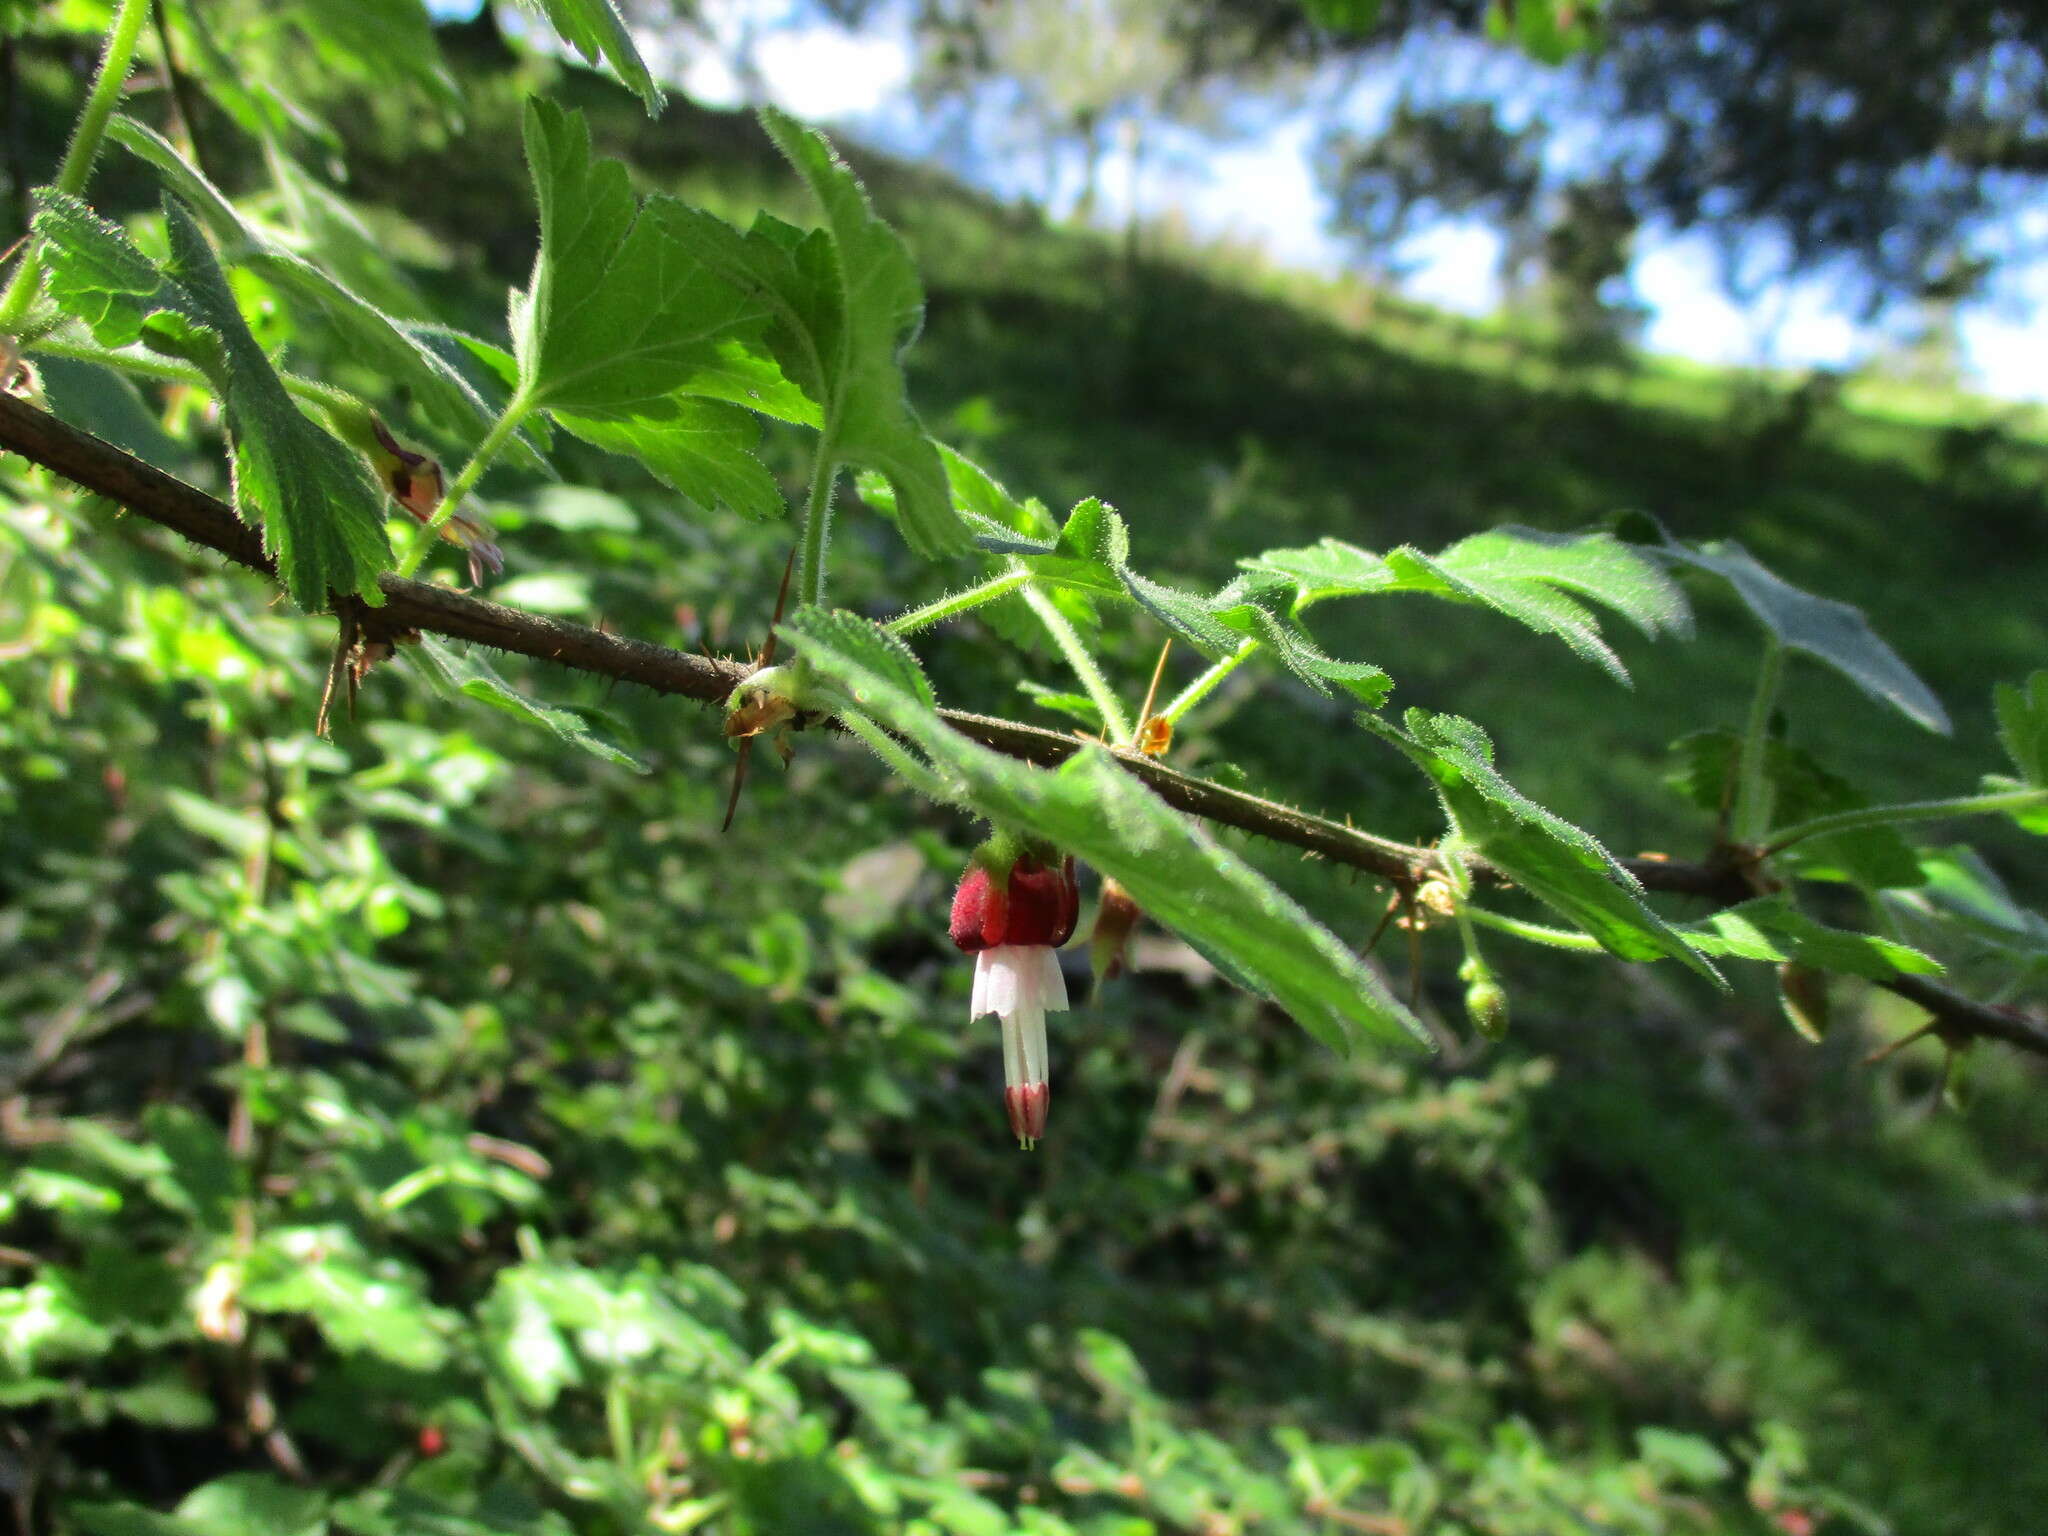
<point>438,1130</point>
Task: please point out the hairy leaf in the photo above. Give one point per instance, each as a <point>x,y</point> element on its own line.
<point>860,297</point>
<point>1170,865</point>
<point>473,677</point>
<point>595,29</point>
<point>1561,865</point>
<point>1532,577</point>
<point>623,308</point>
<point>321,513</point>
<point>371,336</point>
<point>1834,632</point>
<point>703,448</point>
<point>1771,928</point>
<point>2023,725</point>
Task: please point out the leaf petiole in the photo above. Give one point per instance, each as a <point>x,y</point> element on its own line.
<point>1913,810</point>
<point>1114,724</point>
<point>912,620</point>
<point>1202,686</point>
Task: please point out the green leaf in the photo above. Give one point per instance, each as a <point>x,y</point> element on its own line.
<point>1771,928</point>
<point>2023,725</point>
<point>860,296</point>
<point>1532,577</point>
<point>866,644</point>
<point>1561,865</point>
<point>128,1520</point>
<point>369,335</point>
<point>321,1273</point>
<point>321,513</point>
<point>703,448</point>
<point>622,309</point>
<point>254,1504</point>
<point>993,511</point>
<point>595,29</point>
<point>380,43</point>
<point>1834,632</point>
<point>473,677</point>
<point>1171,866</point>
<point>524,1342</point>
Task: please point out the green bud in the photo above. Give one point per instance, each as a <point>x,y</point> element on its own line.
<point>1486,1005</point>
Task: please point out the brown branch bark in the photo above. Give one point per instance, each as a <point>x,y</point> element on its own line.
<point>164,499</point>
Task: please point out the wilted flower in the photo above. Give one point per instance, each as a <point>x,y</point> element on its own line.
<point>1114,920</point>
<point>415,483</point>
<point>1011,918</point>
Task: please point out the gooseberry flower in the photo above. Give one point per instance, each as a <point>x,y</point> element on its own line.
<point>414,481</point>
<point>1012,915</point>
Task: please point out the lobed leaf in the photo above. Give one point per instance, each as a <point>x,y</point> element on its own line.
<point>1560,864</point>
<point>623,307</point>
<point>1171,866</point>
<point>321,513</point>
<point>595,29</point>
<point>1834,632</point>
<point>371,336</point>
<point>857,292</point>
<point>1771,928</point>
<point>703,448</point>
<point>1533,577</point>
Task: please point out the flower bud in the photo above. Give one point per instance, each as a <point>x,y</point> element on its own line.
<point>1486,1005</point>
<point>1803,993</point>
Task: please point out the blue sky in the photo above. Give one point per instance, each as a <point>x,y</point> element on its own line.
<point>1261,190</point>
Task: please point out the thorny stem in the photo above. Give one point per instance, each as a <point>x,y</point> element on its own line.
<point>209,523</point>
<point>1752,817</point>
<point>84,148</point>
<point>1202,686</point>
<point>1114,725</point>
<point>1912,810</point>
<point>912,620</point>
<point>515,412</point>
<point>818,523</point>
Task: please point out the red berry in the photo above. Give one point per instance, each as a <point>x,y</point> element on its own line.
<point>432,1440</point>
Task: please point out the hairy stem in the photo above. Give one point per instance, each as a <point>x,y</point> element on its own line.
<point>1752,815</point>
<point>1533,933</point>
<point>912,620</point>
<point>810,586</point>
<point>515,412</point>
<point>84,148</point>
<point>1202,686</point>
<point>1912,810</point>
<point>1114,725</point>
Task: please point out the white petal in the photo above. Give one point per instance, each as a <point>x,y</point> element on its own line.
<point>1052,983</point>
<point>996,982</point>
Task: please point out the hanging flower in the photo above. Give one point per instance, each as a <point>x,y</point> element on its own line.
<point>415,483</point>
<point>1012,913</point>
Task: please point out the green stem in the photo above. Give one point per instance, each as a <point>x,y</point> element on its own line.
<point>1912,810</point>
<point>1114,723</point>
<point>618,1418</point>
<point>1752,816</point>
<point>1201,687</point>
<point>810,585</point>
<point>515,412</point>
<point>164,371</point>
<point>915,619</point>
<point>84,148</point>
<point>1533,933</point>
